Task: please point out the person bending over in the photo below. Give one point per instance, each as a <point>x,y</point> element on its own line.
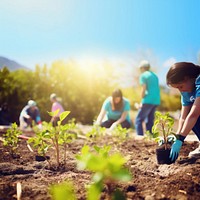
<point>115,110</point>
<point>30,114</point>
<point>185,76</point>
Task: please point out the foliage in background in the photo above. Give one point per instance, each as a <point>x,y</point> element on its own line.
<point>82,90</point>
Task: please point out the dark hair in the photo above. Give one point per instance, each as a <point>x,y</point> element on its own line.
<point>117,93</point>
<point>181,70</point>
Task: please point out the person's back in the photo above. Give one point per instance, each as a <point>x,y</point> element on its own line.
<point>152,93</point>
<point>55,106</point>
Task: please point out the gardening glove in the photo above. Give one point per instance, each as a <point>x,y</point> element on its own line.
<point>96,123</point>
<point>40,126</point>
<point>175,150</point>
<point>171,139</point>
<point>112,126</point>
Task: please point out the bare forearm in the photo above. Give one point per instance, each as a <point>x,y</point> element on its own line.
<point>188,125</point>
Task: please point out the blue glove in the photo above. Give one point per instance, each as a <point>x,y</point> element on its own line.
<point>175,150</point>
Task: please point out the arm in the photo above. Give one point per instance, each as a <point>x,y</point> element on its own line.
<point>120,120</point>
<point>38,118</point>
<point>101,116</point>
<point>191,118</point>
<point>184,112</point>
<point>24,113</point>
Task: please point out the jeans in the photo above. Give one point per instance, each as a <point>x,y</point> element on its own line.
<point>109,122</point>
<point>145,113</point>
<point>196,128</point>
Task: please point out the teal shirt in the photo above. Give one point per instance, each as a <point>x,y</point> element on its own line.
<point>115,115</point>
<point>152,93</point>
<point>188,98</point>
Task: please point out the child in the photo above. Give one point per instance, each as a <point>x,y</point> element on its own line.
<point>185,77</point>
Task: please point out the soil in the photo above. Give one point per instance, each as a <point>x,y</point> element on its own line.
<point>150,181</point>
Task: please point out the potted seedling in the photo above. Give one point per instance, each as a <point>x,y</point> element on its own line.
<point>162,133</point>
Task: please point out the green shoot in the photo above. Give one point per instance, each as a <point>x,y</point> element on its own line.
<point>96,132</point>
<point>107,169</point>
<point>55,137</point>
<point>120,134</point>
<point>40,142</point>
<point>62,191</point>
<point>162,128</point>
<point>11,138</point>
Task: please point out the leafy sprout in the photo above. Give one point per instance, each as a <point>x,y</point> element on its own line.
<point>11,138</point>
<point>107,169</point>
<point>162,130</point>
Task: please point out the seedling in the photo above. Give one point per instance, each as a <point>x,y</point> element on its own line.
<point>11,138</point>
<point>96,132</point>
<point>62,191</point>
<point>162,130</point>
<point>120,134</point>
<point>40,142</point>
<point>107,169</point>
<point>67,137</point>
<point>55,137</point>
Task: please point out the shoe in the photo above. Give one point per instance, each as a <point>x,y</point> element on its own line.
<point>195,153</point>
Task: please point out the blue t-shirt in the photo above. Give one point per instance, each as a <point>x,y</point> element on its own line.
<point>152,93</point>
<point>188,98</point>
<point>113,114</point>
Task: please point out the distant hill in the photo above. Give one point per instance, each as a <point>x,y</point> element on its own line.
<point>11,64</point>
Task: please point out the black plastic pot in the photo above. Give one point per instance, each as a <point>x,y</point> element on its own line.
<point>41,158</point>
<point>163,156</point>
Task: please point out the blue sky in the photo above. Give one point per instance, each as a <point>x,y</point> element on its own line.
<point>42,31</point>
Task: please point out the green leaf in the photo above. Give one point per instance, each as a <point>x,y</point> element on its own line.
<point>122,175</point>
<point>63,115</point>
<point>53,114</point>
<point>63,191</point>
<point>94,192</point>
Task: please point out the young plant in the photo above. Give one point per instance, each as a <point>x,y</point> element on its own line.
<point>67,136</point>
<point>55,132</point>
<point>54,137</point>
<point>96,132</point>
<point>162,130</point>
<point>62,191</point>
<point>11,138</point>
<point>120,134</point>
<point>40,142</point>
<point>107,169</point>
